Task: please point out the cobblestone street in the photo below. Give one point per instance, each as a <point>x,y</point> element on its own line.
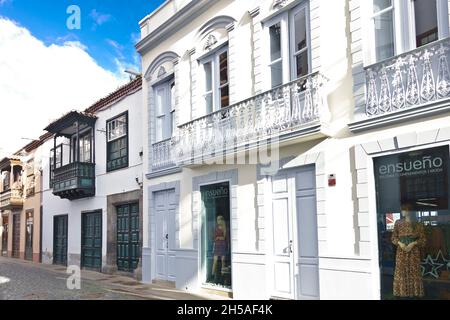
<point>21,280</point>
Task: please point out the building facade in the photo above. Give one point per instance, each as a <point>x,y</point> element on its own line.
<point>92,176</point>
<point>282,140</point>
<point>20,203</point>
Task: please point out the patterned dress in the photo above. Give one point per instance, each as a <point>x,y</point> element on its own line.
<point>220,244</point>
<point>408,276</point>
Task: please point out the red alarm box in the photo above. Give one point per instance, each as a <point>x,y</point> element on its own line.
<point>332,180</point>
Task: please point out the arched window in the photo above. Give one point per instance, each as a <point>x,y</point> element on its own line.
<point>161,78</point>
<point>213,60</point>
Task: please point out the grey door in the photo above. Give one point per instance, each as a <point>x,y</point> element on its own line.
<point>294,241</point>
<point>307,253</point>
<point>165,235</point>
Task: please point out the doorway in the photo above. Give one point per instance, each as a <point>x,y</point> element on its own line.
<point>294,241</point>
<point>16,236</point>
<point>60,226</point>
<point>91,241</point>
<point>165,234</point>
<point>128,244</point>
<point>29,236</point>
<point>5,236</point>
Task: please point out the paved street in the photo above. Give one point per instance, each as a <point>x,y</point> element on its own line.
<point>21,280</point>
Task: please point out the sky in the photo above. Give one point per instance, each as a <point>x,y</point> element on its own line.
<point>49,66</point>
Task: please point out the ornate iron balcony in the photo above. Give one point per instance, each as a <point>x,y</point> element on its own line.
<point>11,199</point>
<point>162,156</point>
<point>419,77</point>
<point>285,111</point>
<point>74,181</point>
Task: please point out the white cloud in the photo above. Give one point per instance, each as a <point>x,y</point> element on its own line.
<point>99,18</point>
<point>114,44</point>
<point>40,83</point>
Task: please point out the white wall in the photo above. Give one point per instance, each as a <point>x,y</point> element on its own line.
<point>115,182</point>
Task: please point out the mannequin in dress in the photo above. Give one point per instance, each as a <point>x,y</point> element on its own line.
<point>220,245</point>
<point>409,237</point>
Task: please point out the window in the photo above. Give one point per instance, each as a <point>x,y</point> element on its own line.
<point>276,61</point>
<point>165,110</point>
<point>117,143</point>
<point>85,148</point>
<point>216,90</point>
<point>383,20</point>
<point>426,21</point>
<point>59,160</point>
<point>398,26</point>
<point>216,231</point>
<point>6,180</point>
<point>288,36</point>
<point>412,190</point>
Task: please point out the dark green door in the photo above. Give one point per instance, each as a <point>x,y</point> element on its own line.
<point>128,244</point>
<point>60,224</point>
<point>91,241</point>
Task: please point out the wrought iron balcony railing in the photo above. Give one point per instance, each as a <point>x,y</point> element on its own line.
<point>162,156</point>
<point>12,198</point>
<point>418,77</point>
<point>286,110</point>
<point>74,181</point>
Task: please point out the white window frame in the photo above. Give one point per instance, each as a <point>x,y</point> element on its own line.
<point>214,58</point>
<point>404,25</point>
<point>288,52</point>
<point>119,122</point>
<point>293,52</point>
<point>167,113</point>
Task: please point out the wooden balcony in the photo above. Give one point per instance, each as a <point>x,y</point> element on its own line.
<point>74,181</point>
<point>11,199</point>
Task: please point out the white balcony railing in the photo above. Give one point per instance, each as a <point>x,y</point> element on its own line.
<point>412,79</point>
<point>162,156</point>
<point>284,110</point>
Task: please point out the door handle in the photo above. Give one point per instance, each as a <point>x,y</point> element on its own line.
<point>167,236</point>
<point>291,243</point>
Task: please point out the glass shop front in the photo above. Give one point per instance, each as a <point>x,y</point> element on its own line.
<point>216,244</point>
<point>413,217</point>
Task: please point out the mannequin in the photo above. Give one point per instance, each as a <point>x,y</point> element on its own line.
<point>220,246</point>
<point>409,237</point>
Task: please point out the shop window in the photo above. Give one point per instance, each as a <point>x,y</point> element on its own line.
<point>216,231</point>
<point>117,143</point>
<point>414,224</point>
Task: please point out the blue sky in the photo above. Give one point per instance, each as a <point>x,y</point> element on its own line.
<point>47,70</point>
<point>109,28</point>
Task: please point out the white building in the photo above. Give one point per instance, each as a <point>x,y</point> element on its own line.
<point>340,86</point>
<point>92,201</point>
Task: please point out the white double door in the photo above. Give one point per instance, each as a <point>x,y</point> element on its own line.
<point>165,207</point>
<point>293,243</point>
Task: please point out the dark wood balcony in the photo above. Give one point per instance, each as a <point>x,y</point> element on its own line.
<point>74,181</point>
